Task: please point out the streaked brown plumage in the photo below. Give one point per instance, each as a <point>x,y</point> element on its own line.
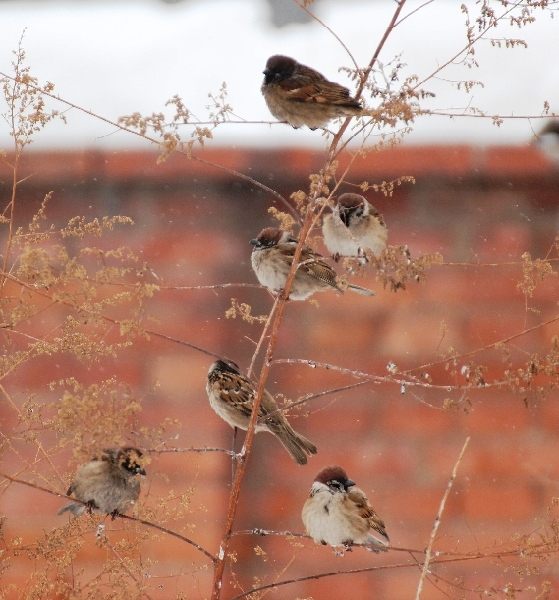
<point>231,395</point>
<point>338,513</point>
<point>302,96</point>
<point>353,227</point>
<point>109,484</point>
<point>272,257</point>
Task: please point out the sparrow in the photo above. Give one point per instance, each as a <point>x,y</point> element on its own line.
<point>272,257</point>
<point>231,396</point>
<point>109,484</point>
<point>302,96</point>
<point>548,140</point>
<point>352,227</point>
<point>338,513</point>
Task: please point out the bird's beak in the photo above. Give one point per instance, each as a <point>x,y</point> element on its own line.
<point>265,72</point>
<point>349,483</point>
<point>254,242</point>
<point>141,472</point>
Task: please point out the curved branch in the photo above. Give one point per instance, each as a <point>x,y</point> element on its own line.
<point>139,520</point>
<point>384,378</point>
<point>540,550</point>
<point>153,140</point>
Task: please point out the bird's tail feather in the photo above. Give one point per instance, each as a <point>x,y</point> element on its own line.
<point>296,444</point>
<point>360,290</point>
<point>75,508</point>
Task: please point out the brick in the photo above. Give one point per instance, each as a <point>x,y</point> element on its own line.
<point>483,502</point>
<point>400,451</point>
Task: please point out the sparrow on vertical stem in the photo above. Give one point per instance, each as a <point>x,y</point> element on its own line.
<point>232,395</point>
<point>302,96</point>
<point>272,257</point>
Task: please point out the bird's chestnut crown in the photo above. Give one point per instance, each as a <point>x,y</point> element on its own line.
<point>335,478</point>
<point>268,237</point>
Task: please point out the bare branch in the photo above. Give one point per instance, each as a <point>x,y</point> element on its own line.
<point>192,449</point>
<point>137,519</point>
<point>153,140</point>
<point>437,522</point>
<point>539,550</point>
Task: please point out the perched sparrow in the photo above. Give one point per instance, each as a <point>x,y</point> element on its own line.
<point>302,96</point>
<point>272,257</point>
<point>109,484</point>
<point>338,513</point>
<point>353,227</point>
<point>548,140</point>
<point>231,396</point>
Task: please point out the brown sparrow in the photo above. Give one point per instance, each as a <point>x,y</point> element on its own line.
<point>109,484</point>
<point>231,396</point>
<point>548,140</point>
<point>338,513</point>
<point>353,227</point>
<point>272,257</point>
<point>302,96</point>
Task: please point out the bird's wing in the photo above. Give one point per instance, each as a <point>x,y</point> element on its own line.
<point>237,390</point>
<point>366,511</point>
<point>302,89</point>
<point>314,266</point>
<point>310,262</point>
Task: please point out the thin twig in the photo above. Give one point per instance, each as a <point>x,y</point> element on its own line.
<point>539,550</point>
<point>313,364</point>
<point>192,449</point>
<point>137,519</point>
<point>467,46</point>
<point>487,347</point>
<point>153,140</point>
<point>437,522</point>
<point>259,345</point>
<point>334,151</point>
<point>217,286</point>
<point>302,6</point>
<point>412,12</point>
<point>484,115</point>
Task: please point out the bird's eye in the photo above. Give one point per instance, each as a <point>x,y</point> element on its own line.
<point>336,485</point>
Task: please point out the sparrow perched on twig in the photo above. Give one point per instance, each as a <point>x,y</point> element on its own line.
<point>302,96</point>
<point>548,140</point>
<point>352,227</point>
<point>232,395</point>
<point>109,484</point>
<point>338,513</point>
<point>272,257</point>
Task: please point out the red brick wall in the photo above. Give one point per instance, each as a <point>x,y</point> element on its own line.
<point>192,225</point>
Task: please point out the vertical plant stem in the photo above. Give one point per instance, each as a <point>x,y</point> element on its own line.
<point>275,319</point>
<point>437,522</point>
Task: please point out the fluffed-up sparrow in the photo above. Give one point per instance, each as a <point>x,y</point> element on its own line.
<point>302,96</point>
<point>109,484</point>
<point>353,227</point>
<point>232,395</point>
<point>338,513</point>
<point>548,140</point>
<point>272,257</point>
